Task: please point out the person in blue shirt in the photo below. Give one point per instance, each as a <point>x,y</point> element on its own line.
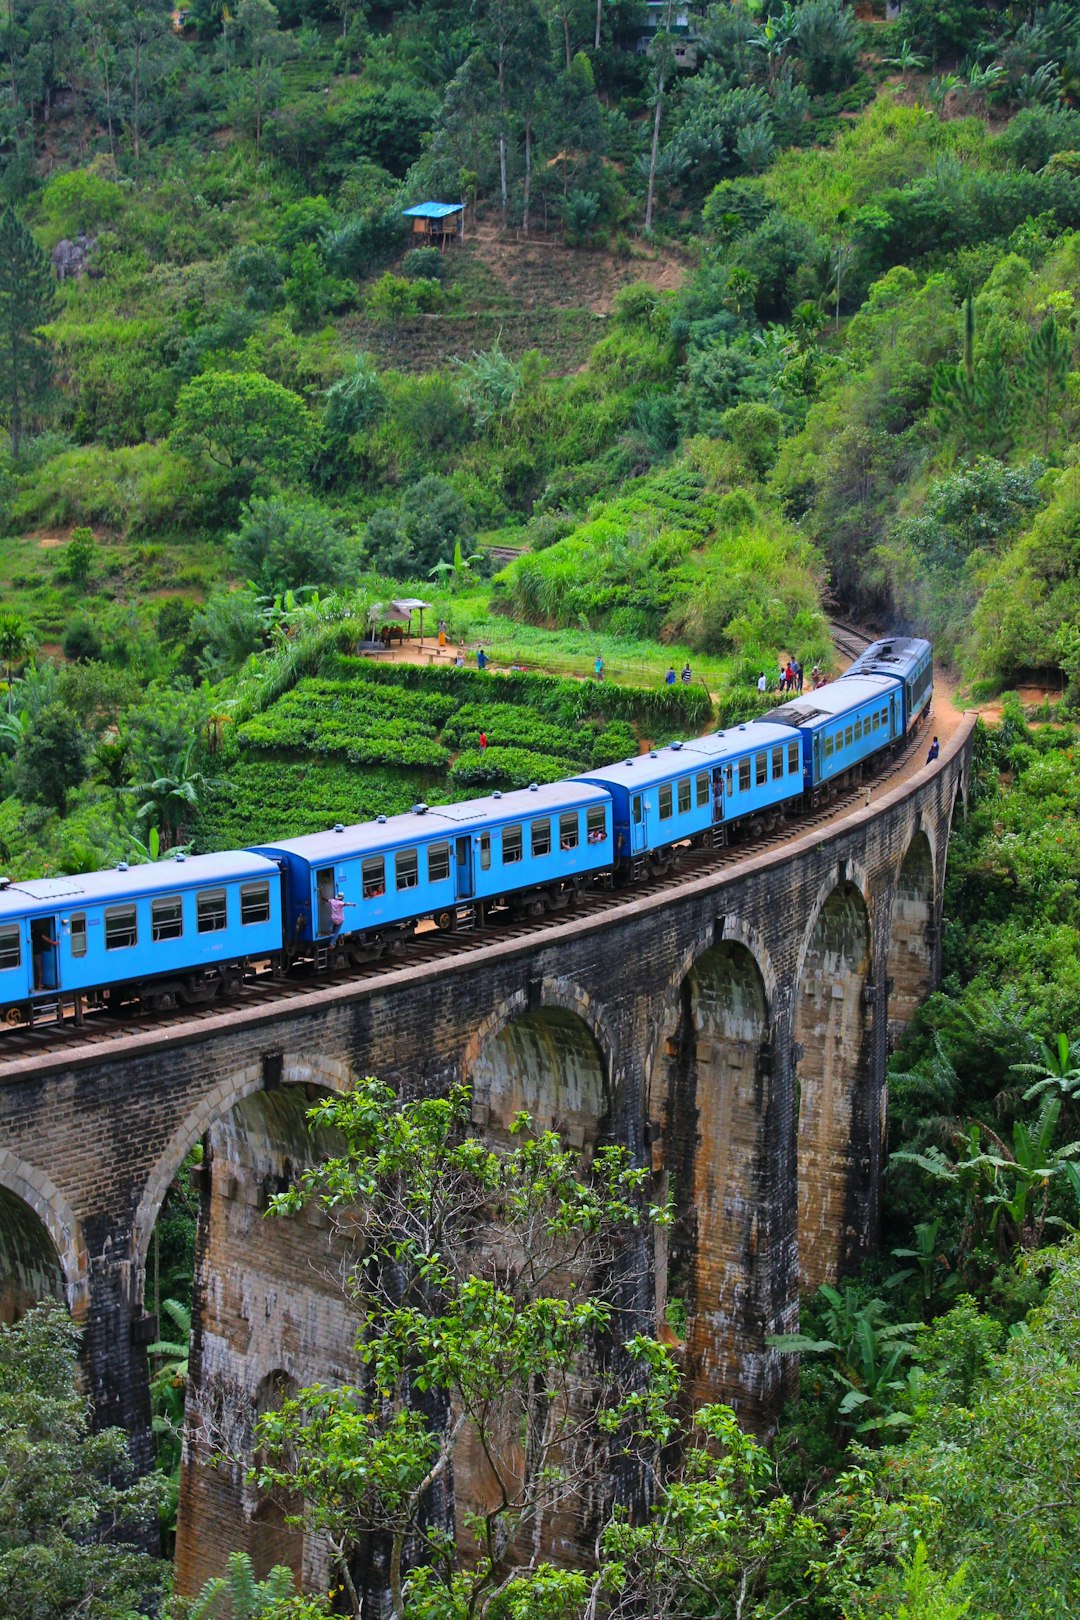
<point>599,667</point>
<point>481,658</point>
<point>669,678</point>
<point>935,750</point>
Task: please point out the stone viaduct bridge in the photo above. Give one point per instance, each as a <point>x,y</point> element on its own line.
<point>732,1031</point>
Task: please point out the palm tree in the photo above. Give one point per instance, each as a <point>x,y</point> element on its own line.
<point>15,643</point>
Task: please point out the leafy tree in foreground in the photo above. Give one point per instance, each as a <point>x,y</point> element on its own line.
<point>485,1285</point>
<point>67,1498</point>
<point>27,303</point>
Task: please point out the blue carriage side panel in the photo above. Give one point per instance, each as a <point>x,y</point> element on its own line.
<point>658,799</point>
<point>530,838</point>
<point>388,871</point>
<point>756,767</point>
<point>129,925</point>
<point>845,723</point>
<point>910,660</point>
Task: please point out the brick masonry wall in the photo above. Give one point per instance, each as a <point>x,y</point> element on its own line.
<point>91,1137</point>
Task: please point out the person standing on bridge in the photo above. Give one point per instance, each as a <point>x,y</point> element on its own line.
<point>935,750</point>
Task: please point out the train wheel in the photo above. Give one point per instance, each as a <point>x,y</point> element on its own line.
<point>13,1016</point>
<point>445,920</point>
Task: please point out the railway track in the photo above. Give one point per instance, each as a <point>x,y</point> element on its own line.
<point>848,640</point>
<point>100,1026</point>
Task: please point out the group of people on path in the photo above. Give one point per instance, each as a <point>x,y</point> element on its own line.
<point>686,677</point>
<point>792,677</point>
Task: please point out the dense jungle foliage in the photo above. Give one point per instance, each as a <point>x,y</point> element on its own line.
<point>760,311</point>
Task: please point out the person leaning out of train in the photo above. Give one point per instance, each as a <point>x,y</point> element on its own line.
<point>337,911</point>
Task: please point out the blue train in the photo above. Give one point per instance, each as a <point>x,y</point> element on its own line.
<point>183,930</point>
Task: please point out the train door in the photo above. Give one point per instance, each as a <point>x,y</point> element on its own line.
<point>464,868</point>
<point>325,889</point>
<point>894,729</point>
<point>718,794</point>
<point>44,941</point>
<point>638,833</point>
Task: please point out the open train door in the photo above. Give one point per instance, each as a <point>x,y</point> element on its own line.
<point>44,946</point>
<point>639,837</point>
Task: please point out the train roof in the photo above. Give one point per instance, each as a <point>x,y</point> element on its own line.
<point>662,763</point>
<point>891,655</point>
<point>40,895</point>
<point>416,826</point>
<point>812,709</point>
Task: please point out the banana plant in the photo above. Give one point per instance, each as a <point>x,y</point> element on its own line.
<point>867,1355</point>
<point>1058,1071</point>
<point>928,1261</point>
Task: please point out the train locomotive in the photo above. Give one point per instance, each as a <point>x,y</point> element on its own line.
<point>186,929</point>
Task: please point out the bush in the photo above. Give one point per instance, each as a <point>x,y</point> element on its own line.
<point>288,541</point>
<point>425,264</point>
<point>81,643</point>
<point>508,768</point>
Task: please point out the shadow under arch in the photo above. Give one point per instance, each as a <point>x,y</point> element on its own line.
<point>910,968</point>
<point>314,1073</point>
<point>714,1074</point>
<point>832,1035</point>
<point>42,1254</point>
<point>548,1063</point>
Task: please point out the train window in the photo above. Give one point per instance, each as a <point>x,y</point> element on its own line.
<point>729,779</point>
<point>210,911</point>
<point>778,761</point>
<point>121,928</point>
<point>858,728</point>
<point>438,863</point>
<point>875,720</point>
<point>684,795</point>
<point>596,824</point>
<point>701,783</point>
<point>373,877</point>
<point>744,774</point>
<point>569,836</point>
<point>254,903</point>
<point>792,756</point>
<point>406,869</point>
<point>540,837</point>
<point>761,769</point>
<point>78,934</point>
<point>635,804</point>
<point>885,718</point>
<point>665,802</point>
<point>847,737</point>
<point>511,845</point>
<point>10,947</point>
<point>485,852</point>
<point>166,918</point>
<point>828,747</point>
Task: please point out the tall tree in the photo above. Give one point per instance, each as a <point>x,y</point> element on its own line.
<point>27,302</point>
<point>148,48</point>
<point>15,644</point>
<point>263,50</point>
<point>1046,373</point>
<point>662,52</point>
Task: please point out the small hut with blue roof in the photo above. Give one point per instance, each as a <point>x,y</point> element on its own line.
<point>437,222</point>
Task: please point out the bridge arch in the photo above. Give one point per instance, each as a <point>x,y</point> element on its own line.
<point>710,1091</point>
<point>216,1104</point>
<point>910,969</point>
<point>42,1253</point>
<point>547,1052</point>
<point>833,1023</point>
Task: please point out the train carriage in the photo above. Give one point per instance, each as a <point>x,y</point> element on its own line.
<point>438,861</point>
<point>843,725</point>
<point>908,659</point>
<point>687,791</point>
<point>166,932</point>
